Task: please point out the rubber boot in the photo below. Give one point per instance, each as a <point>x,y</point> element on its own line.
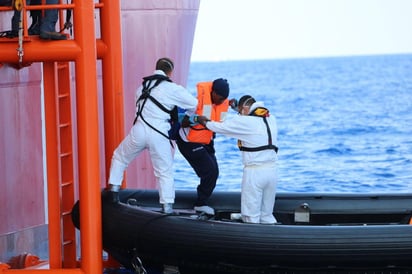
<point>34,28</point>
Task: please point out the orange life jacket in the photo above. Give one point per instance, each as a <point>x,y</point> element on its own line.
<point>198,133</point>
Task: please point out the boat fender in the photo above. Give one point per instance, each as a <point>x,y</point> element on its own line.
<point>302,213</point>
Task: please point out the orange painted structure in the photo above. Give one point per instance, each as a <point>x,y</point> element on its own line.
<point>65,109</point>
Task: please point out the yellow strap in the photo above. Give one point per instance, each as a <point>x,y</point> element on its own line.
<point>18,5</point>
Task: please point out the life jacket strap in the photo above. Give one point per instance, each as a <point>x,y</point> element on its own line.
<point>263,113</point>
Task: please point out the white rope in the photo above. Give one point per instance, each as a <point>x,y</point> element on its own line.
<point>20,50</point>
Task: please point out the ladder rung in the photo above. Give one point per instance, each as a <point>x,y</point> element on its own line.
<point>67,242</point>
<point>65,154</point>
<point>65,213</point>
<point>67,184</point>
<point>64,95</point>
<point>62,65</point>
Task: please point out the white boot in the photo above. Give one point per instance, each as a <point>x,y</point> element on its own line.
<point>205,209</point>
<point>167,208</point>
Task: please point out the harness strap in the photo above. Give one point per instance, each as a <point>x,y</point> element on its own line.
<point>147,88</point>
<point>155,129</point>
<point>263,113</point>
<point>157,103</point>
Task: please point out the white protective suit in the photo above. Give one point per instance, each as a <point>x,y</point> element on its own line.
<point>142,136</point>
<point>259,171</point>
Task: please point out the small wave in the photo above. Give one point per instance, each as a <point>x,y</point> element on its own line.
<point>334,151</point>
<point>385,175</point>
<point>355,130</point>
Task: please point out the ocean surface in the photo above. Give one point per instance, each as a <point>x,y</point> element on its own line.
<point>344,123</point>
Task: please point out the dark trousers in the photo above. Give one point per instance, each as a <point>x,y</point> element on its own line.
<point>203,160</point>
<point>47,23</point>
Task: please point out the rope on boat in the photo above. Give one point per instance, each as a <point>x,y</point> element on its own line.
<point>20,50</point>
<point>138,265</point>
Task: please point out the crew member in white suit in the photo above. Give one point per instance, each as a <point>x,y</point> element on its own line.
<point>156,98</point>
<point>256,131</point>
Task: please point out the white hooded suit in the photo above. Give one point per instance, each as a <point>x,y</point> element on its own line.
<point>143,136</point>
<point>259,173</point>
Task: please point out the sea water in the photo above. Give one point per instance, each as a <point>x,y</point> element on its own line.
<point>344,123</point>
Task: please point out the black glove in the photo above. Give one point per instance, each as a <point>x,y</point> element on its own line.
<point>202,120</point>
<point>233,103</point>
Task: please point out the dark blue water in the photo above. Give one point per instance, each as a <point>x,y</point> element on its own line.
<point>345,124</point>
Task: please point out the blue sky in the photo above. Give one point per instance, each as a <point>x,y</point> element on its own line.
<point>267,29</point>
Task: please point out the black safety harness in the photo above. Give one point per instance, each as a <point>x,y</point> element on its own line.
<point>147,88</point>
<point>263,113</point>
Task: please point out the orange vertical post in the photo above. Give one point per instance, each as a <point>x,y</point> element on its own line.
<point>88,141</point>
<point>112,66</point>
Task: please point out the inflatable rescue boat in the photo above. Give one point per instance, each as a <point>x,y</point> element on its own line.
<point>315,231</point>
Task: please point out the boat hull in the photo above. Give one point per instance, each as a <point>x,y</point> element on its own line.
<point>383,240</point>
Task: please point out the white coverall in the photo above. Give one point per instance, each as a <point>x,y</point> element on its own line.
<point>259,172</point>
<point>141,136</point>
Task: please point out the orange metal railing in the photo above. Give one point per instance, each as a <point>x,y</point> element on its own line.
<point>83,49</point>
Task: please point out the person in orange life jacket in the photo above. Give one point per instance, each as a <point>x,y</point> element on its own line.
<point>156,97</point>
<point>256,131</point>
<point>195,142</point>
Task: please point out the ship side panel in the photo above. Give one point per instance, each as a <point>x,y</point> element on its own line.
<point>151,30</point>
